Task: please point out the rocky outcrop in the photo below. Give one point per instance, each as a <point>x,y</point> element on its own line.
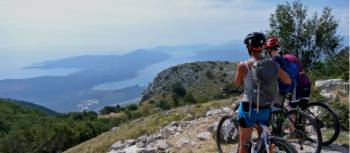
<point>332,88</point>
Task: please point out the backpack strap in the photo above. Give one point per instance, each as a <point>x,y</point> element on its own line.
<point>250,98</point>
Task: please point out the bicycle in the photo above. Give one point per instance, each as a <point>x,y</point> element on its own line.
<point>296,124</point>
<point>227,137</point>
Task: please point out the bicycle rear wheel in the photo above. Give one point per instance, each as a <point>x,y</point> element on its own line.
<point>227,138</point>
<point>327,120</point>
<point>300,126</point>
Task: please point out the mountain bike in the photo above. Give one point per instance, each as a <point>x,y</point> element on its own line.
<point>325,117</point>
<point>227,137</point>
<point>298,127</point>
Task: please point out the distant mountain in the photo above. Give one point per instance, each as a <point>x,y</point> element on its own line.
<point>67,93</point>
<point>109,79</point>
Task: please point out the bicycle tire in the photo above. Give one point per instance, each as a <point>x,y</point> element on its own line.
<point>281,145</point>
<point>225,145</point>
<point>328,112</point>
<point>300,124</point>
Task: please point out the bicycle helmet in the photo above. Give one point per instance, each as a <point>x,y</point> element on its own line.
<point>272,43</point>
<point>255,41</point>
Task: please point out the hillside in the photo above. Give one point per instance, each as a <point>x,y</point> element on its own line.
<point>31,105</point>
<point>28,128</point>
<point>202,80</point>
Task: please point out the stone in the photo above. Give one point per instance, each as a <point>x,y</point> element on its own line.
<point>146,150</point>
<point>183,141</point>
<point>130,142</point>
<point>213,112</point>
<point>212,127</point>
<point>131,149</point>
<point>118,146</point>
<point>204,136</point>
<point>141,144</point>
<point>227,110</point>
<point>174,123</point>
<point>114,128</point>
<point>162,145</point>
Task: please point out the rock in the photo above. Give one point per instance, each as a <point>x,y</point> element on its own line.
<point>331,88</point>
<point>183,142</point>
<point>174,123</point>
<point>141,144</point>
<point>212,127</point>
<point>142,139</point>
<point>146,150</point>
<point>118,146</point>
<point>204,136</point>
<point>227,110</point>
<point>130,142</point>
<point>114,128</point>
<point>162,145</point>
<point>213,112</point>
<point>329,84</point>
<point>131,149</point>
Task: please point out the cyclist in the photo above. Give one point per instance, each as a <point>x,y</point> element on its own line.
<point>251,112</point>
<point>303,85</point>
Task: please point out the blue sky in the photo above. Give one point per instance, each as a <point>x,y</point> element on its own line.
<point>36,30</point>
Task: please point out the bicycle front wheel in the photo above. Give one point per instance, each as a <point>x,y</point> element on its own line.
<point>279,146</point>
<point>227,137</point>
<point>299,127</point>
<point>327,120</point>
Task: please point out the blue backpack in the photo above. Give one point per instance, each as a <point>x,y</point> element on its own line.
<point>292,70</point>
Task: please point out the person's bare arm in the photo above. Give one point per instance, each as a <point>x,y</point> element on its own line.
<point>283,76</point>
<point>241,70</point>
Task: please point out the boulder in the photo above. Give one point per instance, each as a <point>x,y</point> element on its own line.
<point>213,112</point>
<point>212,127</point>
<point>130,142</point>
<point>204,136</point>
<point>118,146</point>
<point>162,145</point>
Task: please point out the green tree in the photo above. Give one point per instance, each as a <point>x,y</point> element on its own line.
<point>179,89</point>
<point>311,39</point>
<point>107,109</point>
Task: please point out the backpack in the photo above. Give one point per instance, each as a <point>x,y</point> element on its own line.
<point>292,70</point>
<point>265,76</point>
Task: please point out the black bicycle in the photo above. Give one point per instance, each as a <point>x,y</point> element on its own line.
<point>298,127</point>
<point>227,136</point>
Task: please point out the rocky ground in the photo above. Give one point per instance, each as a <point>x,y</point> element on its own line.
<point>192,136</point>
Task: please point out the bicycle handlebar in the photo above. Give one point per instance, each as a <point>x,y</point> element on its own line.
<point>231,90</point>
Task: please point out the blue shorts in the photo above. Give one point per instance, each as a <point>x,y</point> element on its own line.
<point>246,121</point>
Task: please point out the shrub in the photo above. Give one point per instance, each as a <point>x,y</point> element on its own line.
<point>163,105</point>
<point>189,98</point>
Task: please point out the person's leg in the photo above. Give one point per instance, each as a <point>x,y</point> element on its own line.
<point>244,137</point>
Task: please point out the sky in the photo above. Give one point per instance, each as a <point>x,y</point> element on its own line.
<point>35,30</point>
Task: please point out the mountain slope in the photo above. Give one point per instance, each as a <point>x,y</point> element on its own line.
<point>31,106</point>
<point>202,79</point>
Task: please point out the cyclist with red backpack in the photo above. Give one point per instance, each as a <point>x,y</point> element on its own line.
<point>301,84</point>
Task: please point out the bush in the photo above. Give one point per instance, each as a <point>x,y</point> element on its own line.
<point>189,98</point>
<point>163,105</point>
<point>132,107</point>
